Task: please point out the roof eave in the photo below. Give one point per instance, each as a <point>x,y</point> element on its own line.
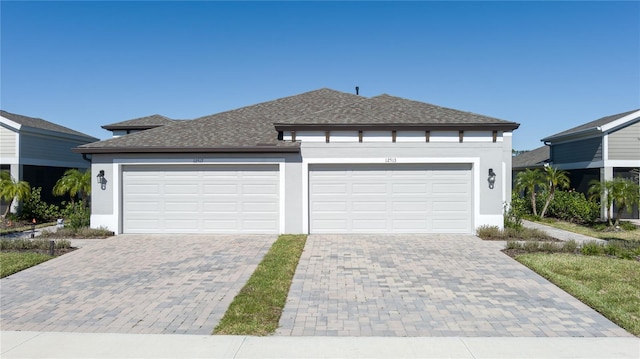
<point>245,149</point>
<point>582,133</point>
<point>142,128</point>
<point>509,126</point>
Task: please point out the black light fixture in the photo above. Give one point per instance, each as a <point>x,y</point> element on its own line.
<point>100,176</point>
<point>492,178</point>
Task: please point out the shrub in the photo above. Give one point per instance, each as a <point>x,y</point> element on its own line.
<point>76,215</point>
<point>84,232</point>
<point>569,246</point>
<point>29,244</point>
<point>628,226</point>
<point>489,232</point>
<point>35,207</point>
<point>592,249</point>
<point>512,217</point>
<point>573,207</point>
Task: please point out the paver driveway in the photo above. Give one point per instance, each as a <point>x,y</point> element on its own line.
<point>133,284</point>
<point>427,285</point>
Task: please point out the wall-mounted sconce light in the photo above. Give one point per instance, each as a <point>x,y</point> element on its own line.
<point>492,178</point>
<point>100,176</point>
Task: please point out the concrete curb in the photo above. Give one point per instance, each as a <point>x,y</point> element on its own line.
<point>105,345</point>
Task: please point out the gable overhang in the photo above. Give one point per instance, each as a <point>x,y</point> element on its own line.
<point>246,149</point>
<point>10,124</point>
<point>510,126</point>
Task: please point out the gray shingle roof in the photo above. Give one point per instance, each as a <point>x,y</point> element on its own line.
<point>251,128</point>
<point>42,124</point>
<point>531,159</point>
<point>388,111</point>
<point>141,123</point>
<point>245,129</point>
<point>589,125</point>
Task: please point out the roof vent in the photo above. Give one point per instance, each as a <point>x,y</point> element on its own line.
<point>357,90</point>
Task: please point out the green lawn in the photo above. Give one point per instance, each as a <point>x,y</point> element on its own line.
<point>591,232</point>
<point>257,308</point>
<point>610,286</point>
<point>13,262</point>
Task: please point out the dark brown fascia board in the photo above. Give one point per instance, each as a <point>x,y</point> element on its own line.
<point>125,127</point>
<point>254,149</point>
<point>509,126</point>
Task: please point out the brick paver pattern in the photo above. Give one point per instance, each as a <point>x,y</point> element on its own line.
<point>427,285</point>
<point>157,284</point>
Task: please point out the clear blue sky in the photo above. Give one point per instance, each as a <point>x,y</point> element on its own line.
<point>547,65</point>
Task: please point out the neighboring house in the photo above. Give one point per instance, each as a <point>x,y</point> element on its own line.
<point>138,124</point>
<point>319,162</point>
<point>602,149</point>
<point>537,158</point>
<point>38,151</point>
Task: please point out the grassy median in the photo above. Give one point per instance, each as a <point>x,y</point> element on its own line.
<point>257,308</point>
<point>608,285</point>
<point>13,262</point>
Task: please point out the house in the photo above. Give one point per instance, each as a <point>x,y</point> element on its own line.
<point>603,149</point>
<point>536,158</point>
<point>39,151</point>
<point>319,162</point>
<point>137,124</point>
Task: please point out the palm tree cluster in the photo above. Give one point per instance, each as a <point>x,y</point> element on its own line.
<point>12,189</point>
<point>532,182</point>
<point>621,192</point>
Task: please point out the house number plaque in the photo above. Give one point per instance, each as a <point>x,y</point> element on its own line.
<point>390,160</point>
<point>198,160</point>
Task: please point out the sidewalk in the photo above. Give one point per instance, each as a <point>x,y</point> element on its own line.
<point>561,234</point>
<point>93,345</point>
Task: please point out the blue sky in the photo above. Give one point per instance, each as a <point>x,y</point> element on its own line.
<point>546,65</point>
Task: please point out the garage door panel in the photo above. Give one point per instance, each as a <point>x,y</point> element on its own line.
<point>204,198</point>
<point>405,198</point>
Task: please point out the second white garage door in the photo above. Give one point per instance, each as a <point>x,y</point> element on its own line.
<point>390,198</point>
<point>201,199</point>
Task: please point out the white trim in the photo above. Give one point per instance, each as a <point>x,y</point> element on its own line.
<point>475,168</point>
<point>281,195</point>
<point>605,147</point>
<point>117,196</point>
<point>622,163</point>
<point>196,160</point>
<point>9,123</point>
<point>504,183</point>
<point>619,122</point>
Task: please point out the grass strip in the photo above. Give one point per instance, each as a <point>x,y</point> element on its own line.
<point>628,235</point>
<point>256,310</point>
<point>13,262</point>
<point>610,286</point>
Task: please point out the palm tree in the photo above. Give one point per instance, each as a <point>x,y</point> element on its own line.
<point>598,189</point>
<point>527,182</point>
<point>11,190</point>
<point>553,178</point>
<point>624,193</point>
<point>75,183</point>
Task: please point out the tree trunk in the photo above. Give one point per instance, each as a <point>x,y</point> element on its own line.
<point>546,204</point>
<point>533,204</point>
<point>619,214</point>
<point>8,208</point>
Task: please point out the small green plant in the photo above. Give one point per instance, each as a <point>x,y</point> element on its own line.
<point>512,216</point>
<point>592,249</point>
<point>489,232</point>
<point>628,226</point>
<point>569,247</point>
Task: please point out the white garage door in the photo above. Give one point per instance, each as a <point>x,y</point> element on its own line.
<point>390,198</point>
<point>201,199</point>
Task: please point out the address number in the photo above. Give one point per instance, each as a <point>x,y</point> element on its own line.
<point>390,160</point>
<point>198,160</point>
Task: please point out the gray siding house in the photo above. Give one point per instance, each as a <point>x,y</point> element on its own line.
<point>319,162</point>
<point>39,151</point>
<point>602,149</point>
